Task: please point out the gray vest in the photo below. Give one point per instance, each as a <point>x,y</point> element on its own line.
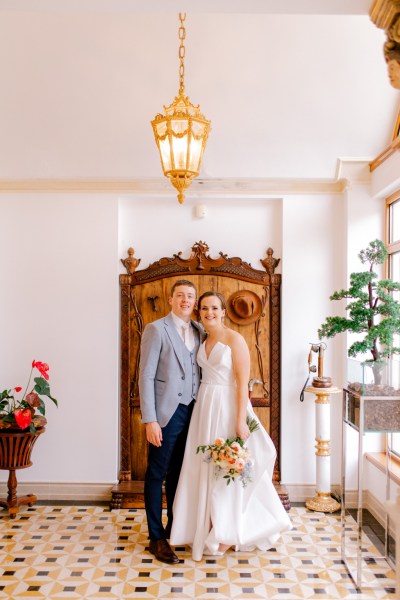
<point>192,372</point>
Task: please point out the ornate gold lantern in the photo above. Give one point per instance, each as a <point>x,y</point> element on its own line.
<point>181,133</point>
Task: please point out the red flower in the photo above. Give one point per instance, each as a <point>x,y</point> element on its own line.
<point>32,399</point>
<point>42,368</point>
<point>21,413</point>
<point>23,417</point>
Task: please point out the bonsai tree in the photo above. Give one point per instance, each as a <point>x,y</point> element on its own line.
<point>372,309</point>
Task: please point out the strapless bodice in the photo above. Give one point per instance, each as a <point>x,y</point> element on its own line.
<point>217,369</point>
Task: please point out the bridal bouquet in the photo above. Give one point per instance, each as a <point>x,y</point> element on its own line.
<point>231,457</point>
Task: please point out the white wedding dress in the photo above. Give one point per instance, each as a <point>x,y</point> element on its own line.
<point>206,510</point>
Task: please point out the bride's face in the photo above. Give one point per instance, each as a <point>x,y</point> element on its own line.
<point>211,312</point>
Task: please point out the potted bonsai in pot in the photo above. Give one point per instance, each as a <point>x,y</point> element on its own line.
<point>372,311</point>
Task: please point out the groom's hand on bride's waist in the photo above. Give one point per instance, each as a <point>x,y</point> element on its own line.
<point>154,433</point>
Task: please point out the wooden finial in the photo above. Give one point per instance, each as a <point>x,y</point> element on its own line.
<point>270,263</point>
<point>131,263</point>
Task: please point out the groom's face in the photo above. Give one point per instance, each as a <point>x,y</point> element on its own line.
<point>183,301</point>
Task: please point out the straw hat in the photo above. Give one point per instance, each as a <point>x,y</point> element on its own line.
<point>244,307</point>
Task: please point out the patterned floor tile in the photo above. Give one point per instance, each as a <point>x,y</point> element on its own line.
<point>89,552</point>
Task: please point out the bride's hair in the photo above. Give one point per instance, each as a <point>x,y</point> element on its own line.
<point>212,294</point>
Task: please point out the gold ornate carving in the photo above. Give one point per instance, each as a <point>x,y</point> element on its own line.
<point>323,503</point>
<point>322,399</point>
<point>386,15</point>
<point>322,394</point>
<point>383,12</point>
<point>322,447</point>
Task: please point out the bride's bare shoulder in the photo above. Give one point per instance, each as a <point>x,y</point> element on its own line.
<point>234,339</point>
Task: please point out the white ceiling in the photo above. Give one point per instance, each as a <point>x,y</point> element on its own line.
<point>323,7</point>
<point>287,94</point>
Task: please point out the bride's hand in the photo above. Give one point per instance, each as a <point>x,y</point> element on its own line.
<point>242,430</point>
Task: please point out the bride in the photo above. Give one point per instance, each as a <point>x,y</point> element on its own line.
<point>210,515</point>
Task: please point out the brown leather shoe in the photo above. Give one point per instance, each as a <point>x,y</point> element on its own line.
<point>163,551</point>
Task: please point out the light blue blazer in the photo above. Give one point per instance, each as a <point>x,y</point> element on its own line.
<point>161,369</point>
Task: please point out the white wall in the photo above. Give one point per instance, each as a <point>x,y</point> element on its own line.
<point>60,262</point>
<point>243,227</point>
<point>313,267</point>
<point>286,94</point>
<point>59,304</point>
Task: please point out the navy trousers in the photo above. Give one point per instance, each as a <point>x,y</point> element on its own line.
<point>164,464</point>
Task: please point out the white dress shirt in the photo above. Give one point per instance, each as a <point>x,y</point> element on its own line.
<point>185,330</point>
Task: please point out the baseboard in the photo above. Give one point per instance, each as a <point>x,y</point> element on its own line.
<point>301,492</point>
<point>375,507</point>
<point>101,492</point>
<point>88,492</point>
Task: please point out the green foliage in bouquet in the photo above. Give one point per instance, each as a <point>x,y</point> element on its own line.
<point>230,456</point>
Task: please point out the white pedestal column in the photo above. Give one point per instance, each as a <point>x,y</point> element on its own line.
<point>323,501</point>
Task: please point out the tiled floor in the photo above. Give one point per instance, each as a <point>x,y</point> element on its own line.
<point>89,552</point>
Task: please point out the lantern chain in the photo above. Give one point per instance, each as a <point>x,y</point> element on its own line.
<point>181,54</point>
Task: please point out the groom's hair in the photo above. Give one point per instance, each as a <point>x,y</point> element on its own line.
<point>183,282</point>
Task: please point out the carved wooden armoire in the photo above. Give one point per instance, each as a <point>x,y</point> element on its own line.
<point>253,300</point>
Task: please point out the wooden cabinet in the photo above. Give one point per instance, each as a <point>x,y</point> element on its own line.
<point>144,298</point>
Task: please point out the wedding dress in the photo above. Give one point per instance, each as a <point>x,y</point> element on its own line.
<point>208,512</point>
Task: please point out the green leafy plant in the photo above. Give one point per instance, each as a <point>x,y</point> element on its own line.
<point>21,413</point>
<point>372,309</point>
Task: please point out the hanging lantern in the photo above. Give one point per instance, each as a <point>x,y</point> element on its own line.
<point>181,132</point>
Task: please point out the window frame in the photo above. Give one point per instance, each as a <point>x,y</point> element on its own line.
<point>393,247</point>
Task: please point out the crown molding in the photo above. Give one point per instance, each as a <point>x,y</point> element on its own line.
<point>353,170</point>
<point>219,187</point>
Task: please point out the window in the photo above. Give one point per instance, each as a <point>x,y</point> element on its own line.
<point>393,247</point>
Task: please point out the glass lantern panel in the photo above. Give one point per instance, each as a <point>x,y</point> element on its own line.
<point>196,145</point>
<point>179,126</point>
<point>165,153</point>
<point>161,128</point>
<point>179,150</point>
<point>195,154</point>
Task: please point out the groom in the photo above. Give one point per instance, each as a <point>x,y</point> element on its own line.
<point>168,382</point>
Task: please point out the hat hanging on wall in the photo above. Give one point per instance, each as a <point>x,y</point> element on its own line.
<point>244,307</point>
